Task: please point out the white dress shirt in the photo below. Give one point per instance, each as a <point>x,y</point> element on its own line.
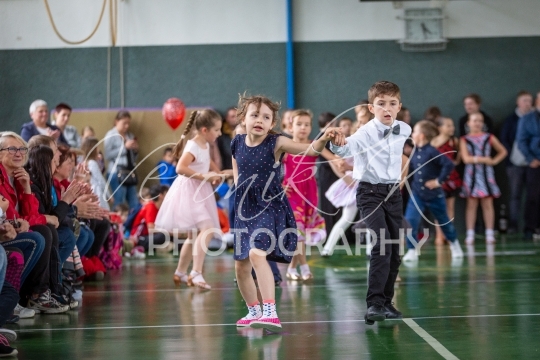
<point>377,159</point>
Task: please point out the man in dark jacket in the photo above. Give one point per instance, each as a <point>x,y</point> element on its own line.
<point>472,103</point>
<point>528,138</point>
<point>516,165</point>
<point>39,113</point>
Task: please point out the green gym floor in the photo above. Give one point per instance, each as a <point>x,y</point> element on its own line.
<point>486,307</point>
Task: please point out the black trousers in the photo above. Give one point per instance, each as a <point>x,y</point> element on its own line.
<point>532,203</point>
<point>45,274</point>
<point>382,212</point>
<point>144,240</point>
<point>101,229</point>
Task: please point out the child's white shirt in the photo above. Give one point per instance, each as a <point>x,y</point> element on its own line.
<point>377,159</point>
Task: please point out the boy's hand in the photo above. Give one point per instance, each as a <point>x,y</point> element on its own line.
<point>432,184</point>
<point>335,135</point>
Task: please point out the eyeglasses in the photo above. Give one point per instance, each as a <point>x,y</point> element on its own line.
<point>13,150</point>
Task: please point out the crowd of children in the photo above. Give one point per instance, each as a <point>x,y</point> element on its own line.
<point>284,192</point>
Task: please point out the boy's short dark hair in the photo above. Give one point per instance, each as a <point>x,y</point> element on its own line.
<point>62,106</point>
<point>157,190</point>
<point>167,150</point>
<point>523,93</point>
<point>383,88</point>
<point>475,97</point>
<point>428,128</point>
<point>344,119</point>
<point>325,118</point>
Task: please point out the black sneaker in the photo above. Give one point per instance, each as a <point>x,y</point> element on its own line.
<point>5,349</point>
<point>65,300</point>
<point>46,304</point>
<point>374,313</point>
<point>392,312</point>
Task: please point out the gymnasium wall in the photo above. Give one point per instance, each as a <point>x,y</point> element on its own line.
<point>207,51</point>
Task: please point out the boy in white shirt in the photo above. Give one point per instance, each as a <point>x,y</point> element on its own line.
<point>377,148</point>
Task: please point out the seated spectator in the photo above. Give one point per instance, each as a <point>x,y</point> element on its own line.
<point>23,207</point>
<point>62,112</point>
<point>144,221</point>
<point>39,125</point>
<point>8,301</point>
<point>167,167</point>
<point>472,103</point>
<point>516,164</point>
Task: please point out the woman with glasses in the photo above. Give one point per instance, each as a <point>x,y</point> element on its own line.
<point>22,213</point>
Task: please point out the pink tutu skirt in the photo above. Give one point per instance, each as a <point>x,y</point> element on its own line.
<point>189,204</point>
<point>340,194</point>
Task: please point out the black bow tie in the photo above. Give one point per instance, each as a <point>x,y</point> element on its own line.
<point>395,131</point>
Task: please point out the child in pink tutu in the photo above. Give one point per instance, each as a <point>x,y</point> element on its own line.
<point>190,205</point>
<point>301,189</point>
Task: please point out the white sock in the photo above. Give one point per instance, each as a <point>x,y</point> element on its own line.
<point>490,233</point>
<point>254,311</point>
<point>269,310</point>
<point>304,269</point>
<point>470,233</point>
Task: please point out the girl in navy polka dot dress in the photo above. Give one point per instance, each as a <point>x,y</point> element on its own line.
<point>264,225</point>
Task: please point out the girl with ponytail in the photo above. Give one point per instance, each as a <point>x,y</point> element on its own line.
<point>190,205</point>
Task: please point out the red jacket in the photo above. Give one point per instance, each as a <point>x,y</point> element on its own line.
<point>28,204</point>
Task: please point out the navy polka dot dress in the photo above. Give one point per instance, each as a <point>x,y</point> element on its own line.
<point>263,216</point>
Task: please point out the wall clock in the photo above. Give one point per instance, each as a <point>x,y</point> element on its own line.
<point>424,30</point>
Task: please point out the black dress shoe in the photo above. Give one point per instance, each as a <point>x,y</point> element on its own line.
<point>375,313</point>
<point>391,312</point>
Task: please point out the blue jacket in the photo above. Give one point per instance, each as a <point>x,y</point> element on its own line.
<point>167,173</point>
<point>528,136</point>
<point>29,129</point>
<point>438,168</point>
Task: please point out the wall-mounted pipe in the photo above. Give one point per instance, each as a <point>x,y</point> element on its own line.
<point>290,57</point>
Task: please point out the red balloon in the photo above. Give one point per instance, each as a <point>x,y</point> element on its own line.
<point>173,112</point>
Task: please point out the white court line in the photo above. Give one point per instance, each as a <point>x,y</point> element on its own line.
<point>430,340</point>
<point>284,322</point>
<point>403,283</point>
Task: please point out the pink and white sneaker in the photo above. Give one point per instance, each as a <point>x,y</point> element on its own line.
<point>269,323</point>
<point>254,313</point>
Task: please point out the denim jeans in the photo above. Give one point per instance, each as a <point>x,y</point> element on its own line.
<point>31,245</point>
<point>85,240</point>
<point>122,193</point>
<point>3,265</point>
<point>437,207</point>
<point>517,179</point>
<point>8,300</point>
<point>66,243</point>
